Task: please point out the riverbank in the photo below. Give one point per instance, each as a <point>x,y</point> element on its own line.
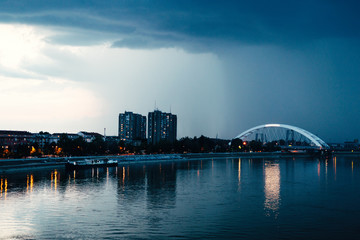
<point>11,164</point>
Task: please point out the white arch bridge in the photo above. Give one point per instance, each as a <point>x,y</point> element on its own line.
<point>286,136</point>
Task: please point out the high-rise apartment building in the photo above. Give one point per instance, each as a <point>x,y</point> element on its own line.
<point>132,126</point>
<point>161,126</point>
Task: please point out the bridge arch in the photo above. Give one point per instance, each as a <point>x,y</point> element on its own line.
<point>315,140</point>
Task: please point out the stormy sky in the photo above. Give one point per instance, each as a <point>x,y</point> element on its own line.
<point>221,66</point>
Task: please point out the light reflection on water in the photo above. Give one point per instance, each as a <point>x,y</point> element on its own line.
<point>272,187</point>
<point>216,198</point>
<point>3,187</point>
<point>239,173</point>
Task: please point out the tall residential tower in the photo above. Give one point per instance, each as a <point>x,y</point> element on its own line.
<point>132,126</point>
<point>161,126</point>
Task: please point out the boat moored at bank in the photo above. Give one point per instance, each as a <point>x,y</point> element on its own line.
<point>89,163</point>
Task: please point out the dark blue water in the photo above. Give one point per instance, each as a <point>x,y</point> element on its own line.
<point>221,199</point>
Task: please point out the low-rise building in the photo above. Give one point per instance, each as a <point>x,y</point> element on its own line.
<point>352,146</point>
<point>89,136</point>
<point>10,138</point>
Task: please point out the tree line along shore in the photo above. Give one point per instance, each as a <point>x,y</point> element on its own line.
<point>100,146</point>
<point>108,146</point>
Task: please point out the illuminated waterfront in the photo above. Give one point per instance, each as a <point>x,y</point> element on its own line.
<point>223,198</point>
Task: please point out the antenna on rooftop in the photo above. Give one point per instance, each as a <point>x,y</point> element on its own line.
<point>104,132</point>
<point>155,106</point>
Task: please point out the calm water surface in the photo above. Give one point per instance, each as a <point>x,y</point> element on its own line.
<point>226,198</point>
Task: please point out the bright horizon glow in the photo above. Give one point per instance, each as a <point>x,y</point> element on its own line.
<point>19,44</point>
<point>31,98</point>
<point>55,87</point>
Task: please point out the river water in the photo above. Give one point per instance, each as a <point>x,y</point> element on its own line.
<point>228,198</point>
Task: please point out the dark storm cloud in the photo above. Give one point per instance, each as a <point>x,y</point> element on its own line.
<point>148,24</point>
<point>144,42</point>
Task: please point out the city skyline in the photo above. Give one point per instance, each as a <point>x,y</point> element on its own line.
<point>67,66</point>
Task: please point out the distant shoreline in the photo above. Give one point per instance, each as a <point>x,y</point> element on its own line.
<point>14,164</point>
